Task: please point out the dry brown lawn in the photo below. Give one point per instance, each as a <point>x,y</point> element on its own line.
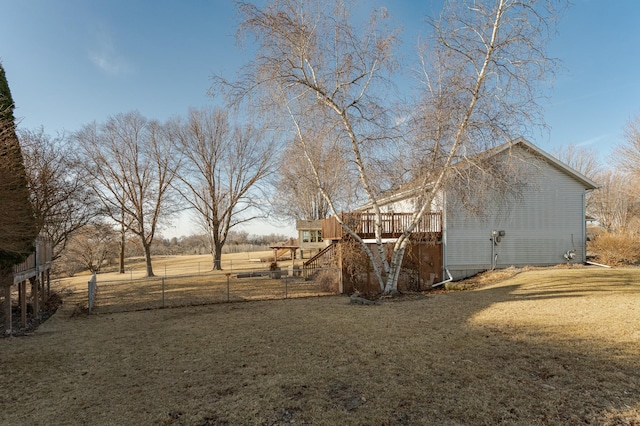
<point>557,346</point>
<point>197,290</point>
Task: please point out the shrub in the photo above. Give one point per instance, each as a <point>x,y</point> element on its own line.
<point>616,248</point>
<point>355,264</point>
<point>329,280</point>
<point>409,280</point>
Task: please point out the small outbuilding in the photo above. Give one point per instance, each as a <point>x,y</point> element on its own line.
<point>310,237</point>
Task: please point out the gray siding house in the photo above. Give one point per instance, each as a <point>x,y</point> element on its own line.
<point>541,224</point>
<point>535,215</point>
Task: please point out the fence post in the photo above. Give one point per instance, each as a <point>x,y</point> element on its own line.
<point>163,290</point>
<point>228,274</point>
<point>92,284</point>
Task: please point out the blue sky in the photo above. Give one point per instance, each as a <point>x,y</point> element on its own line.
<point>70,62</point>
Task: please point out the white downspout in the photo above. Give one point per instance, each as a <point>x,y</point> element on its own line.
<point>445,281</point>
<point>597,264</point>
<point>584,226</point>
<point>445,269</point>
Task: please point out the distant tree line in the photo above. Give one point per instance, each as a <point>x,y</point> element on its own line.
<point>96,248</point>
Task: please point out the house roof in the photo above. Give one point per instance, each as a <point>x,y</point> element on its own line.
<point>409,189</point>
<point>588,183</point>
<point>308,224</point>
<point>404,192</point>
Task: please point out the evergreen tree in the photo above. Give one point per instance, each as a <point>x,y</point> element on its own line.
<point>18,228</point>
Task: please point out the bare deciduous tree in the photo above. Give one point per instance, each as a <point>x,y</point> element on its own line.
<point>582,159</point>
<point>223,164</point>
<point>586,161</point>
<point>132,165</point>
<point>627,155</point>
<point>615,203</point>
<point>482,67</point>
<point>621,193</point>
<point>296,194</point>
<point>62,202</point>
<point>92,246</point>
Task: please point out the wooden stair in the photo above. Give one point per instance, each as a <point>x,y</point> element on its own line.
<point>321,259</point>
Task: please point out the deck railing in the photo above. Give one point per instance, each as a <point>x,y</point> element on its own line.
<point>36,262</point>
<point>393,225</point>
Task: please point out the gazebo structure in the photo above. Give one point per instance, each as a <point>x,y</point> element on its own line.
<point>290,245</point>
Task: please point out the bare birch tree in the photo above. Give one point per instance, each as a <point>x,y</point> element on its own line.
<point>483,64</point>
<point>131,165</point>
<point>223,167</point>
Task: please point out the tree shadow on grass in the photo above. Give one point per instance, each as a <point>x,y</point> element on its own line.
<point>536,349</point>
<point>500,355</point>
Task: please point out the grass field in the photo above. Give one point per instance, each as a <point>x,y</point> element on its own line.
<point>557,347</point>
<point>188,265</point>
<point>189,280</point>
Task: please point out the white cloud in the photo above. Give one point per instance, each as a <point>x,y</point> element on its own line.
<point>592,141</point>
<point>106,56</point>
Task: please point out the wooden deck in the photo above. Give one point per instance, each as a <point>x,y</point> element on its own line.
<point>37,262</point>
<point>34,269</point>
<point>393,225</point>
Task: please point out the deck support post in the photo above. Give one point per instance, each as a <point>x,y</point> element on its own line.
<point>23,303</point>
<point>34,297</point>
<point>7,310</point>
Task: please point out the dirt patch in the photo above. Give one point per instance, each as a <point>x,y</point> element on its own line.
<point>52,303</point>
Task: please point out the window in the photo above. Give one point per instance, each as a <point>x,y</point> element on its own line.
<point>311,236</point>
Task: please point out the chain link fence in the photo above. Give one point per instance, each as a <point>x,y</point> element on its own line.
<point>92,290</point>
<point>213,287</point>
